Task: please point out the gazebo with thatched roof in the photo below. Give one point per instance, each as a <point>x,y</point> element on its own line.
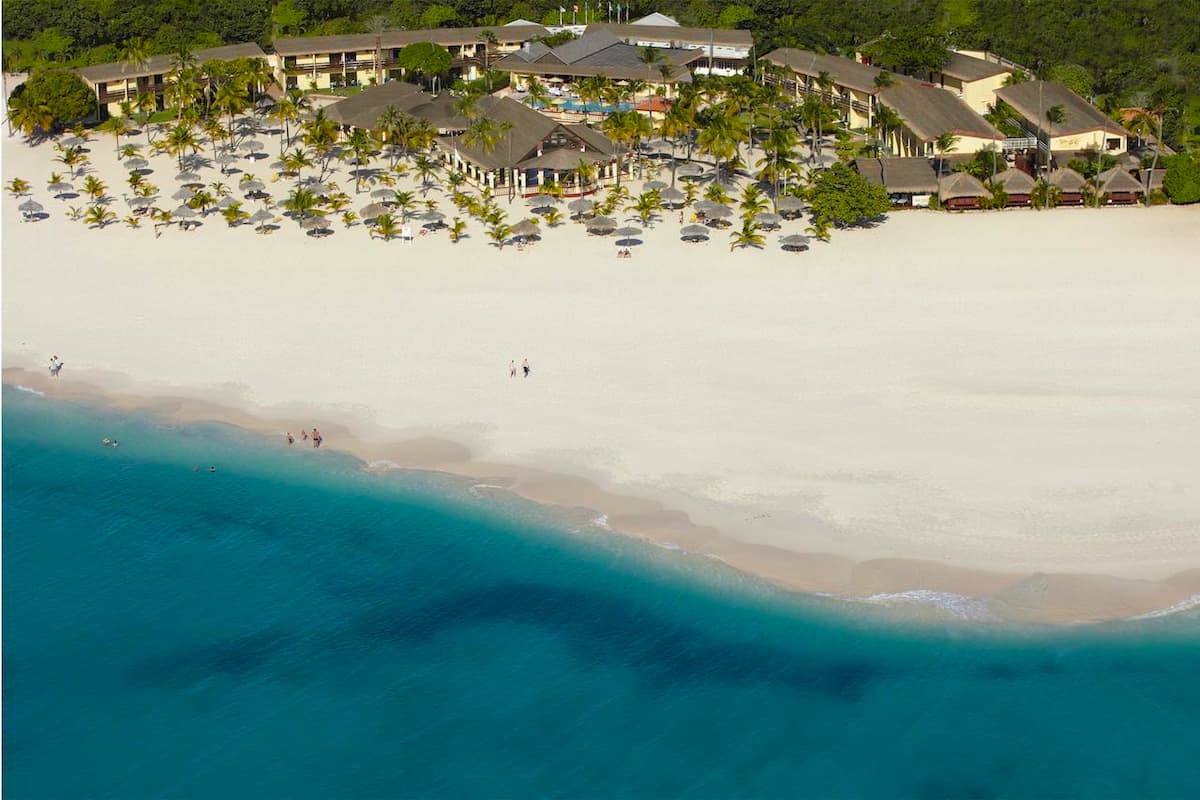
<point>1118,187</point>
<point>1070,183</point>
<point>960,191</point>
<point>1017,185</point>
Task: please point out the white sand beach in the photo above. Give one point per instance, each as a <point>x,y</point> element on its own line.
<point>1003,404</point>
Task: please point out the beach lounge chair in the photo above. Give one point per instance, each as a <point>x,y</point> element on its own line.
<point>406,234</point>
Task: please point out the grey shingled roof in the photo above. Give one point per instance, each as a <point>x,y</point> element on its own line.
<point>585,46</point>
<point>1081,115</point>
<point>597,53</point>
<point>899,175</point>
<point>157,65</point>
<point>969,68</point>
<point>676,35</point>
<point>529,130</point>
<point>929,112</point>
<point>1066,179</point>
<point>1015,182</point>
<point>844,71</point>
<point>961,184</point>
<point>364,109</point>
<point>1119,180</point>
<point>447,37</point>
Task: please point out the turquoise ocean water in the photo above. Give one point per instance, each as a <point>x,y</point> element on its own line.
<point>291,627</point>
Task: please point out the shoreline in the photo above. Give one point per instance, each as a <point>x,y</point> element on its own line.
<point>1001,597</point>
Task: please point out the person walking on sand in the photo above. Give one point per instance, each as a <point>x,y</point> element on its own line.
<point>525,366</point>
<point>512,368</point>
<point>316,437</point>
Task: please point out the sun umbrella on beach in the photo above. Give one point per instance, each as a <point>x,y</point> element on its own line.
<point>627,236</point>
<point>688,169</point>
<point>142,202</point>
<point>432,215</point>
<point>261,217</point>
<point>71,141</point>
<point>789,205</point>
<point>60,187</point>
<point>30,207</point>
<point>373,211</point>
<point>227,201</point>
<point>541,200</point>
<point>225,159</point>
<point>694,233</point>
<point>317,188</point>
<point>671,196</point>
<point>183,194</point>
<point>655,186</point>
<point>250,146</point>
<point>525,229</point>
<point>189,179</point>
<point>384,194</point>
<point>136,163</point>
<point>795,243</point>
<point>316,224</point>
<point>768,220</point>
<point>581,206</point>
<point>185,211</point>
<point>714,210</point>
<point>601,226</point>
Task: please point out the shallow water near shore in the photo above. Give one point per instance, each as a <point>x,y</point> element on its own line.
<point>292,626</point>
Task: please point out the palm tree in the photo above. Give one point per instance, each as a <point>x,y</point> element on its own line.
<point>98,216</point>
<point>72,157</point>
<point>385,226</point>
<point>457,228</point>
<point>499,233</point>
<point>552,216</point>
<point>134,57</point>
<point>536,92</point>
<point>361,146</point>
<point>202,201</point>
<point>234,214</point>
<point>677,123</point>
<point>1143,123</point>
<point>718,139</point>
<point>285,112</point>
<point>944,144</point>
<point>650,56</point>
<point>1044,195</point>
<point>296,160</point>
<point>427,169</point>
<point>593,88</point>
<point>302,203</point>
<point>231,99</point>
<point>29,115</point>
<point>645,205</point>
<point>488,38</point>
<point>145,105</point>
<point>94,188</point>
<point>17,187</point>
<point>1055,115</point>
<point>405,201</point>
<point>887,120</point>
<point>749,236</point>
<point>179,140</point>
<point>752,202</point>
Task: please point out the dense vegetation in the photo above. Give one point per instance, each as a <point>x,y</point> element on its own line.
<point>1118,52</point>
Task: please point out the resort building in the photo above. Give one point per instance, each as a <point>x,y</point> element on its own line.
<point>927,113</point>
<point>1084,126</point>
<point>908,181</point>
<point>726,52</point>
<point>363,59</point>
<point>120,81</point>
<point>596,53</point>
<point>973,80</point>
<point>529,150</point>
<point>855,86</point>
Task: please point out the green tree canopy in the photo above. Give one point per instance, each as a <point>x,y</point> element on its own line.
<point>840,196</point>
<point>1075,77</point>
<point>910,49</point>
<point>424,58</point>
<point>1182,181</point>
<point>64,94</point>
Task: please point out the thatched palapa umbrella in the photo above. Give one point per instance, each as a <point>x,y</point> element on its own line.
<point>136,163</point>
<point>626,236</point>
<point>671,196</point>
<point>316,225</point>
<point>768,220</point>
<point>694,233</point>
<point>794,243</point>
<point>581,206</point>
<point>373,211</point>
<point>541,200</point>
<point>30,207</point>
<point>601,226</point>
<point>526,229</point>
<point>789,207</point>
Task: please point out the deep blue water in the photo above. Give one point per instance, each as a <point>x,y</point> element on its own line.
<point>291,627</point>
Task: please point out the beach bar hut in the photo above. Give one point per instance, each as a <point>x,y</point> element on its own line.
<point>908,181</point>
<point>1017,184</point>
<point>960,191</point>
<point>1119,188</point>
<point>1070,183</point>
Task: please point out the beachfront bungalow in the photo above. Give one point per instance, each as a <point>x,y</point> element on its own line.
<point>726,52</point>
<point>1070,185</point>
<point>363,59</point>
<point>1119,188</point>
<point>119,81</point>
<point>927,113</point>
<point>595,53</point>
<point>1017,185</point>
<point>1084,126</point>
<point>908,181</point>
<point>855,85</point>
<point>961,191</point>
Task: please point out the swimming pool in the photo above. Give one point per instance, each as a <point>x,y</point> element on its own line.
<point>594,107</point>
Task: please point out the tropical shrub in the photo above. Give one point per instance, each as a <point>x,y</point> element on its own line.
<point>1182,179</point>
